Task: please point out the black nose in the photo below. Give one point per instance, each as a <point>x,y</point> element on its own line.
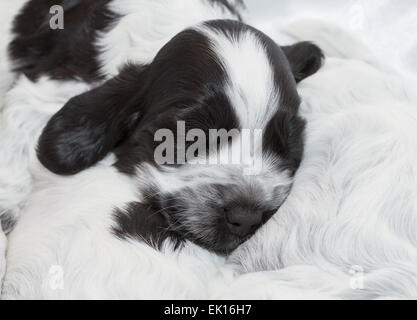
<point>243,221</point>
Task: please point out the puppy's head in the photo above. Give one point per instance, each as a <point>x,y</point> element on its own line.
<point>219,107</point>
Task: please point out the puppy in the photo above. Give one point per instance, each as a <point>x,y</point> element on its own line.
<point>204,77</point>
<point>220,74</point>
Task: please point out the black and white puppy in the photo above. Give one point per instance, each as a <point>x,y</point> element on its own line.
<point>218,74</point>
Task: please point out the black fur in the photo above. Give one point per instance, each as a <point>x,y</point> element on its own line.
<point>68,53</point>
<point>142,222</point>
<point>183,83</point>
<point>305,59</point>
<point>284,136</point>
<point>145,221</point>
<point>93,123</point>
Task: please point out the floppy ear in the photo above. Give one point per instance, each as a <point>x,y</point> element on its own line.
<point>305,59</point>
<point>92,124</point>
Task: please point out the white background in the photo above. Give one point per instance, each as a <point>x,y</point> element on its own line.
<point>389,27</point>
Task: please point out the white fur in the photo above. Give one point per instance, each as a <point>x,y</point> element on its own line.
<point>68,222</point>
<point>251,89</point>
<point>159,21</point>
<point>28,106</point>
<point>8,11</point>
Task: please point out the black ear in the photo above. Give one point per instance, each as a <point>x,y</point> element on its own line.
<point>92,124</point>
<point>305,59</point>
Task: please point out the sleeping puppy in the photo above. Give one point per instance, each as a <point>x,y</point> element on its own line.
<point>220,74</point>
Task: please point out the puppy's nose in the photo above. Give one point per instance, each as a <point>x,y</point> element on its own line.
<point>243,221</point>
